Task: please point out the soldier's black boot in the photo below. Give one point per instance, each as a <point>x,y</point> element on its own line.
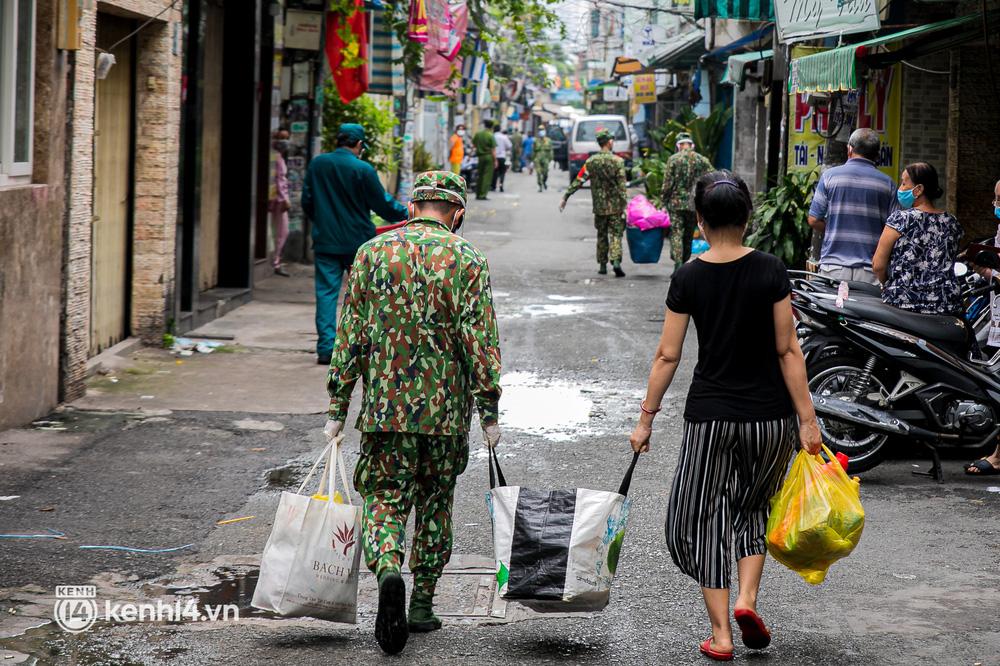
<point>603,270</point>
<point>391,631</point>
<point>618,270</point>
<point>421,617</point>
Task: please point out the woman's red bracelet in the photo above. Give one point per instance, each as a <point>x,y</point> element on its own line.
<point>642,406</point>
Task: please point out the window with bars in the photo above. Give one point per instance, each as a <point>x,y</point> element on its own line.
<point>17,84</point>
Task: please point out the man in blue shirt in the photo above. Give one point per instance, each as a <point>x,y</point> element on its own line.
<point>339,193</point>
<point>850,207</point>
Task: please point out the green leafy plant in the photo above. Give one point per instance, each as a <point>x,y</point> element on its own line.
<point>780,220</point>
<point>376,117</point>
<point>422,159</point>
<point>707,132</point>
<point>652,169</point>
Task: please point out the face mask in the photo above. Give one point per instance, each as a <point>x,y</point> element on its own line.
<point>905,198</point>
<point>460,132</point>
<point>281,145</point>
<point>541,135</point>
<point>996,212</point>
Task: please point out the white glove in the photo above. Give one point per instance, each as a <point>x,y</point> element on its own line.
<point>492,435</point>
<point>332,429</point>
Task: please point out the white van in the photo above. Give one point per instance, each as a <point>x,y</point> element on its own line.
<point>582,140</point>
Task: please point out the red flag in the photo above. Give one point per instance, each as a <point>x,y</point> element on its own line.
<point>353,82</point>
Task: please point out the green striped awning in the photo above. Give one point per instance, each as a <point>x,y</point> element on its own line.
<point>836,69</point>
<point>736,65</point>
<point>746,10</point>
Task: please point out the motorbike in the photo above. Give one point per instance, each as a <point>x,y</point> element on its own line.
<point>876,372</point>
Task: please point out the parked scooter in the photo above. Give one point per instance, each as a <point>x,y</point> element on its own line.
<point>884,371</point>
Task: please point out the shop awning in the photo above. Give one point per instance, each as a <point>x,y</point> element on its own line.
<point>736,66</point>
<point>836,69</point>
<point>750,40</point>
<point>744,10</point>
<point>681,52</point>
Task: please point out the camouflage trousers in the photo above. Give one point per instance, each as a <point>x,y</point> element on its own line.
<point>398,472</point>
<point>542,173</point>
<point>682,226</point>
<point>609,238</point>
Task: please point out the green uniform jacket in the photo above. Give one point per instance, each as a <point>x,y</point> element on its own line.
<point>542,151</point>
<point>608,185</point>
<point>484,143</point>
<point>338,195</point>
<point>418,327</point>
<point>684,168</point>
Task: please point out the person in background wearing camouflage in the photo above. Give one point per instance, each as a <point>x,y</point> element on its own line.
<point>517,141</point>
<point>684,168</point>
<point>486,158</point>
<point>606,172</point>
<point>541,157</point>
<point>419,327</point>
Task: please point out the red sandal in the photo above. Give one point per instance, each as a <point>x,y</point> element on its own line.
<point>706,649</point>
<point>755,633</point>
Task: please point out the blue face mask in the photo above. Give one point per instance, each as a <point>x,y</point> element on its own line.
<point>905,198</point>
<point>996,212</point>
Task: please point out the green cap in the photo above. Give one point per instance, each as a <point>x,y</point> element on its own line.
<point>684,137</point>
<point>604,135</point>
<point>353,131</point>
<point>439,186</point>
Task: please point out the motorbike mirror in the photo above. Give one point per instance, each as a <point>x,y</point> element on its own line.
<point>961,270</point>
<point>987,260</point>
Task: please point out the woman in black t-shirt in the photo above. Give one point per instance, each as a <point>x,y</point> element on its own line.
<point>739,423</point>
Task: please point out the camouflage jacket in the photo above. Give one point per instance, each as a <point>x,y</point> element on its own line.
<point>606,172</point>
<point>418,328</point>
<point>542,151</point>
<point>684,168</point>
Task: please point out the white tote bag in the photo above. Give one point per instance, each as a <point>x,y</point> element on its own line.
<point>557,550</point>
<point>310,562</point>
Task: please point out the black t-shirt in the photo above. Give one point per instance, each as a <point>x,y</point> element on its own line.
<point>737,377</point>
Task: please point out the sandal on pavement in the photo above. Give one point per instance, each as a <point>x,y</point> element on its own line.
<point>755,633</point>
<point>984,467</point>
<point>706,649</point>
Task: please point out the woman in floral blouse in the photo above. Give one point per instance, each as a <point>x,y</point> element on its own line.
<point>916,254</point>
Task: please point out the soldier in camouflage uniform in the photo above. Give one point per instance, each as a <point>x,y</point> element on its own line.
<point>684,168</point>
<point>606,172</point>
<point>541,157</point>
<point>419,329</point>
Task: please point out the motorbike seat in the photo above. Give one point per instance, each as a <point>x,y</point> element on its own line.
<point>947,332</point>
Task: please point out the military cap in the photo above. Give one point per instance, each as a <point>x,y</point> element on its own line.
<point>684,137</point>
<point>352,131</point>
<point>604,135</point>
<point>439,186</point>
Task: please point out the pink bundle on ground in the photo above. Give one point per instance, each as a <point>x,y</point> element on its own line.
<point>645,216</point>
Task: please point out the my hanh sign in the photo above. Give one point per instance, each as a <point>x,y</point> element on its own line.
<point>807,19</point>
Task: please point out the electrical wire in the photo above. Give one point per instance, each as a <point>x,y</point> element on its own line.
<point>924,69</point>
<point>139,29</point>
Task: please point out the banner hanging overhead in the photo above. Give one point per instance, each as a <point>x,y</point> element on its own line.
<point>798,20</point>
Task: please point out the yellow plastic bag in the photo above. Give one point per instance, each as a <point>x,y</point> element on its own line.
<point>816,517</point>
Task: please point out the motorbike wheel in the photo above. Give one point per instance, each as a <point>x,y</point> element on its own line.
<point>830,376</point>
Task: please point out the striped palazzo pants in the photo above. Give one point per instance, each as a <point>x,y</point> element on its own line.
<point>725,477</point>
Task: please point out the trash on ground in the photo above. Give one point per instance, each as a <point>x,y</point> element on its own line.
<point>187,346</point>
<point>47,508</point>
<point>990,489</point>
<point>129,549</point>
<point>258,449</point>
<point>903,576</point>
<point>52,534</point>
<point>234,520</point>
<point>7,498</point>
<point>146,397</point>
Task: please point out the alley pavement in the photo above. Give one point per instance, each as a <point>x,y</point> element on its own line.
<point>165,447</point>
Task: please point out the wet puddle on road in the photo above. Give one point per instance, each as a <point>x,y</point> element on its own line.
<point>553,408</point>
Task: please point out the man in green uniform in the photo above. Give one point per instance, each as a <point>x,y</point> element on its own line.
<point>606,172</point>
<point>541,158</point>
<point>684,168</point>
<point>517,143</point>
<point>486,158</point>
<point>419,327</point>
<point>339,192</point>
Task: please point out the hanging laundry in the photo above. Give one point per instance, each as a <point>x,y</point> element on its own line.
<point>351,82</point>
<point>447,28</point>
<point>417,30</point>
